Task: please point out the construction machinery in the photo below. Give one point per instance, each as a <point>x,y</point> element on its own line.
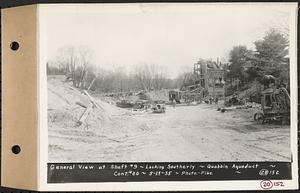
<point>207,79</point>
<point>188,94</point>
<point>175,96</point>
<point>125,104</point>
<point>159,108</point>
<point>275,106</point>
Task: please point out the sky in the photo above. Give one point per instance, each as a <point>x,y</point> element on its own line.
<point>170,35</point>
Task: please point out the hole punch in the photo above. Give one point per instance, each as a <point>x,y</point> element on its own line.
<point>14,46</point>
<point>16,149</point>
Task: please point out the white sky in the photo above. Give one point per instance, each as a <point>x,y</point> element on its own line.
<point>173,35</point>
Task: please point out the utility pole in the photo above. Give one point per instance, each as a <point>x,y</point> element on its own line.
<point>224,95</point>
<point>214,87</point>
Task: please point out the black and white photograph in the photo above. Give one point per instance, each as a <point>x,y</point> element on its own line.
<point>166,96</point>
<point>168,83</point>
<point>170,92</point>
<point>165,92</point>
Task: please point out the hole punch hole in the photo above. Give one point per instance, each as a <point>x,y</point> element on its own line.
<point>16,149</point>
<point>14,46</point>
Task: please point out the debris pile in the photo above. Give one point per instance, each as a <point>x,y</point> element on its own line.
<point>72,110</point>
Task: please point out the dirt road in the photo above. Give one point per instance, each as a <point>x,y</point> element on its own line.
<point>183,133</point>
<point>200,133</point>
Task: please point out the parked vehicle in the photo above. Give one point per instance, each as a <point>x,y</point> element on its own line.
<point>141,104</point>
<point>124,104</point>
<point>159,108</point>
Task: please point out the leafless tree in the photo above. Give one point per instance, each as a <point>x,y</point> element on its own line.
<point>84,56</point>
<point>75,62</point>
<point>151,76</point>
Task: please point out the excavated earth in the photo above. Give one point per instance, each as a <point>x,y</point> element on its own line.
<point>183,133</point>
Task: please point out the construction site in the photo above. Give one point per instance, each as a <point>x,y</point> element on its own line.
<point>198,121</point>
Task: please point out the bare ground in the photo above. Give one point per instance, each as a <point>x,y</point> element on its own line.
<point>184,133</point>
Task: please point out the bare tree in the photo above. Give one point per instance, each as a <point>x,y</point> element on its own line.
<point>143,76</point>
<point>84,55</point>
<point>150,76</point>
<point>159,77</point>
<point>75,62</point>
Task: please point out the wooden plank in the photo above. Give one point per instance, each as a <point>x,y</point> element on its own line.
<point>92,100</point>
<point>81,104</point>
<point>91,84</point>
<point>85,114</point>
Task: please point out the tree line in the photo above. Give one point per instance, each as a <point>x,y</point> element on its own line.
<point>270,57</point>
<point>75,64</point>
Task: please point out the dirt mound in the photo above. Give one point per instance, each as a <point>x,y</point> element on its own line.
<point>251,90</point>
<point>64,113</point>
<point>61,95</point>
